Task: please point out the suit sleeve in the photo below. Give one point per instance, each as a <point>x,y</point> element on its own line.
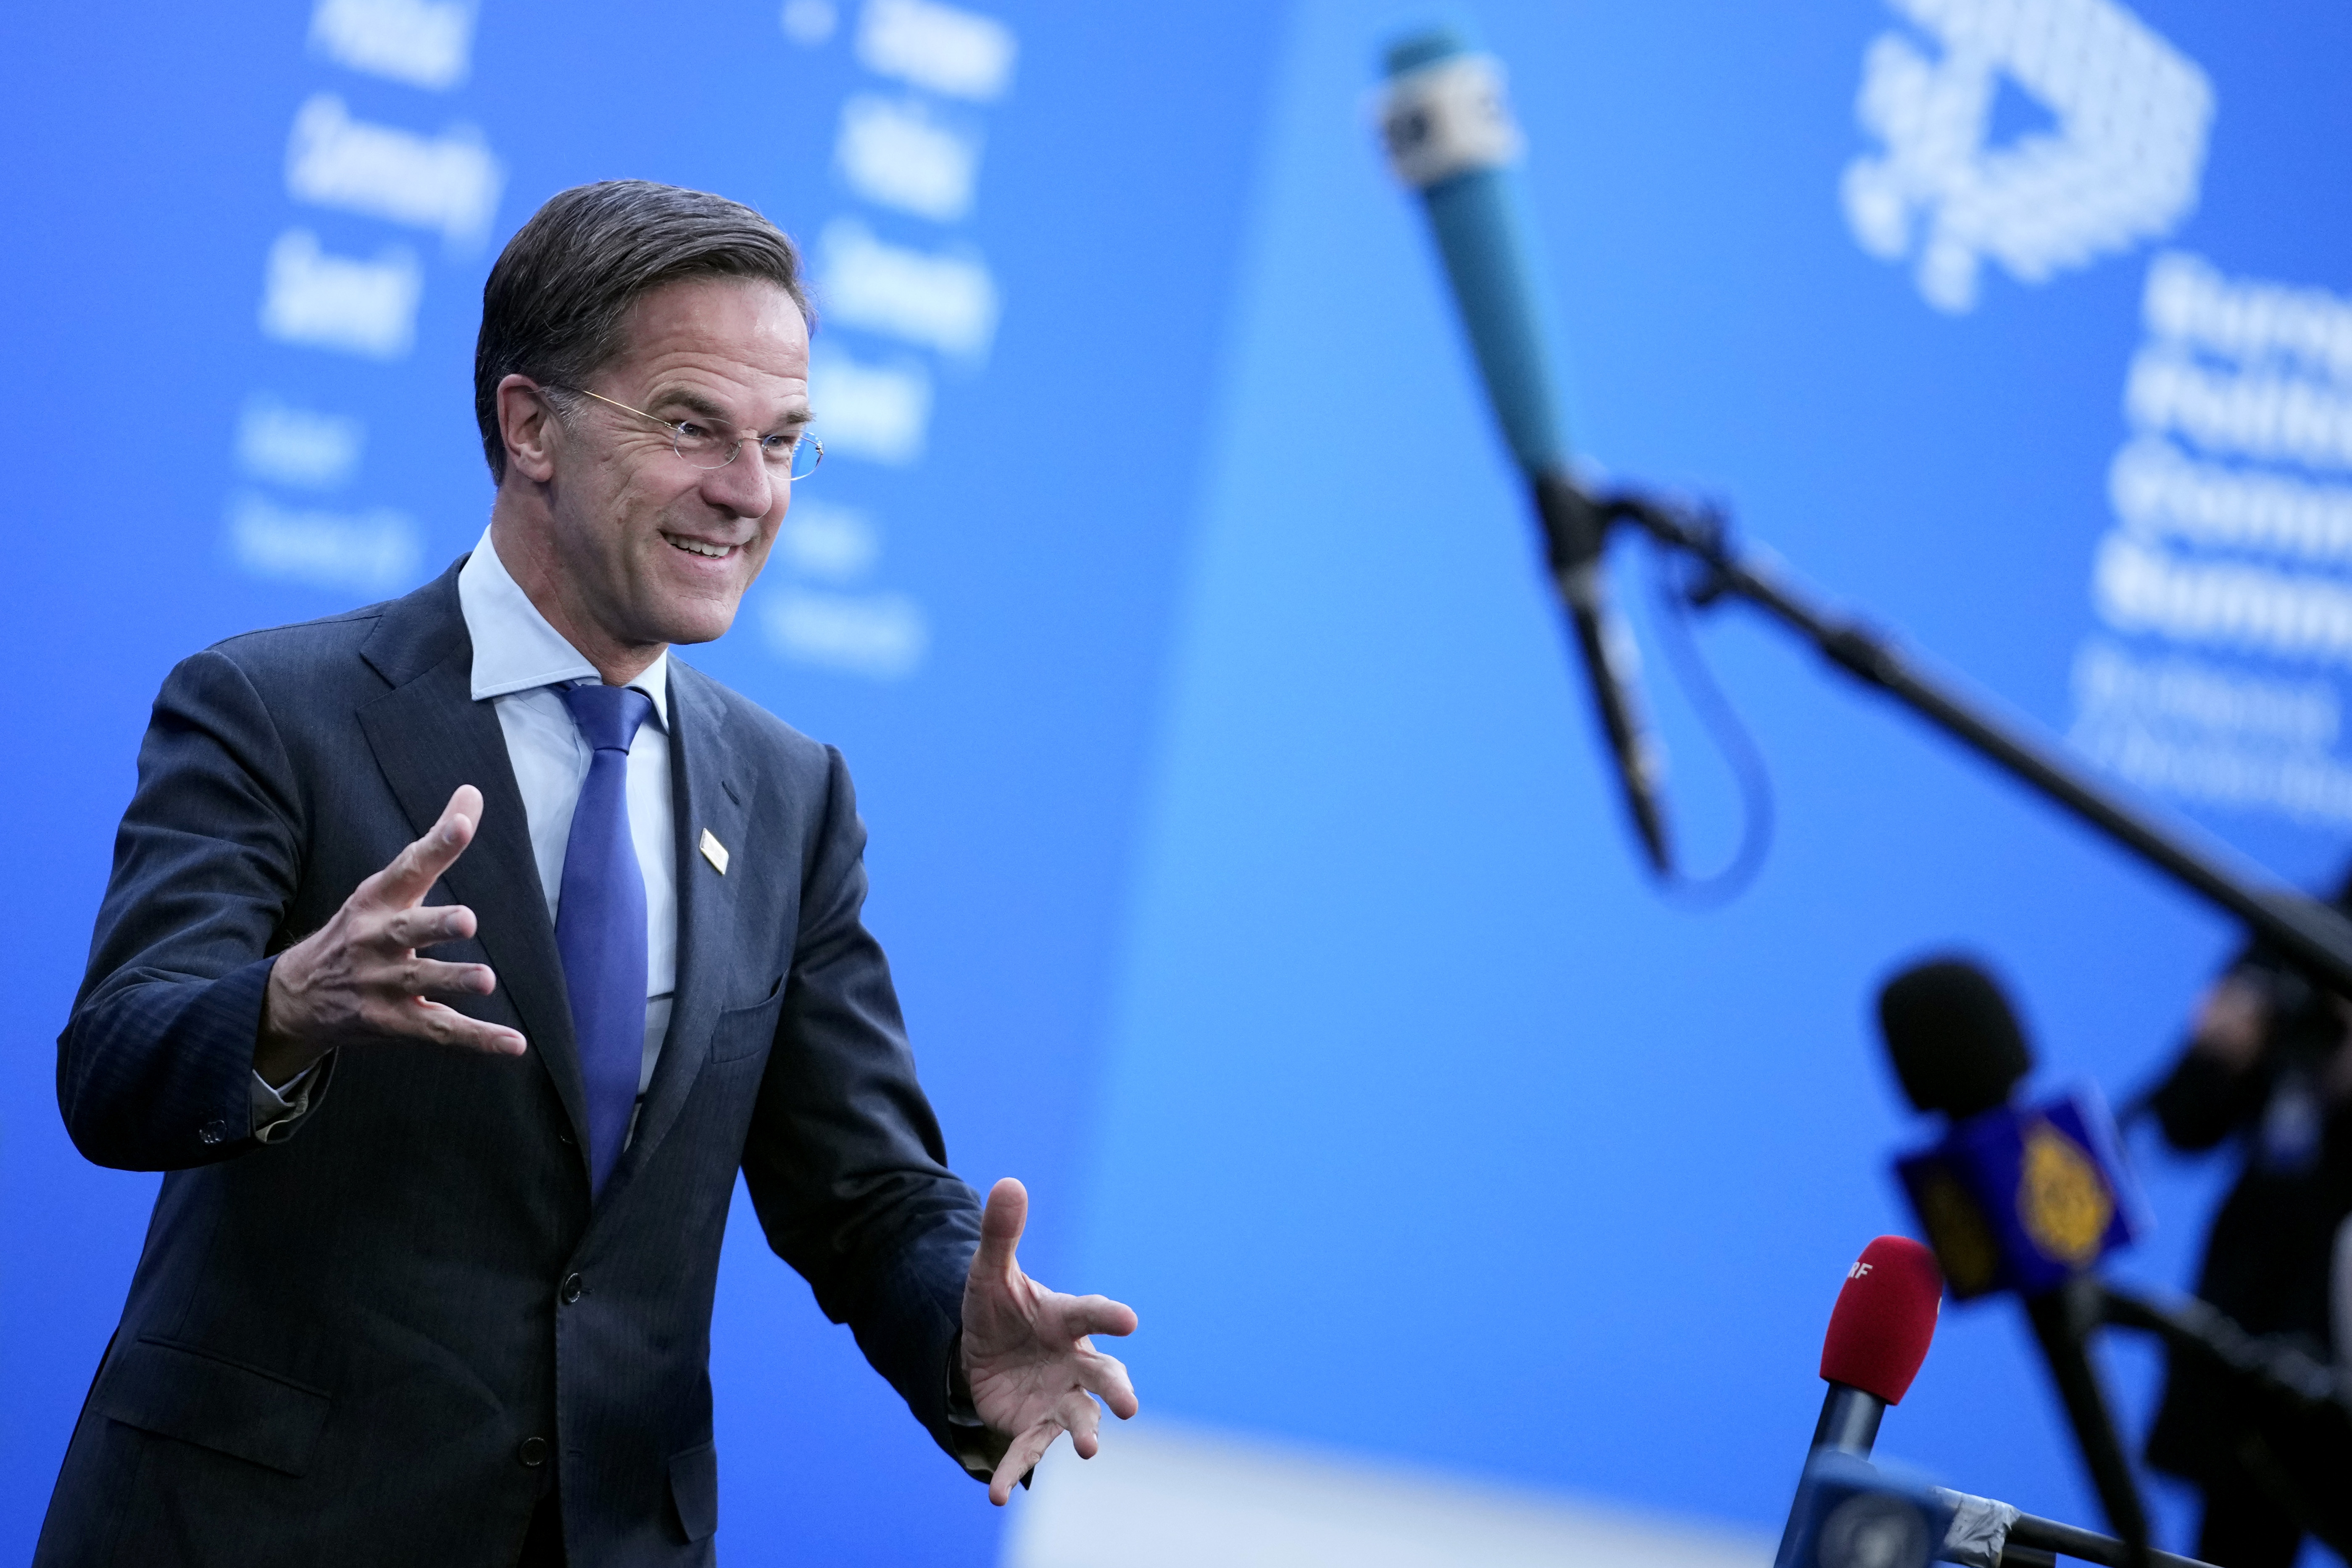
<point>155,1065</point>
<point>845,1161</point>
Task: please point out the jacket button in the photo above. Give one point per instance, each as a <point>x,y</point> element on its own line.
<point>573,1287</point>
<point>566,1139</point>
<point>532,1452</point>
<point>212,1132</point>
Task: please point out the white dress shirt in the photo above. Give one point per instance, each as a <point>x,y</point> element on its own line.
<point>518,660</point>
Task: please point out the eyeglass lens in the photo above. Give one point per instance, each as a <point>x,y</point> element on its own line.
<point>799,455</point>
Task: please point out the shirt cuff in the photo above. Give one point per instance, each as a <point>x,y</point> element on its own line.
<point>276,1110</point>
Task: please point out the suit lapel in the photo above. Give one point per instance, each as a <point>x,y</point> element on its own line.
<point>709,794</point>
<point>429,736</point>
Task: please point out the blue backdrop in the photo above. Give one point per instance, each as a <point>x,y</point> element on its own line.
<point>1254,888</point>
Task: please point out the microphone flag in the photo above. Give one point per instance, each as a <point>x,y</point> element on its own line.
<point>2024,1197</point>
<point>1851,1513</point>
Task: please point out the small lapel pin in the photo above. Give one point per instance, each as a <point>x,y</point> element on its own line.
<point>714,851</point>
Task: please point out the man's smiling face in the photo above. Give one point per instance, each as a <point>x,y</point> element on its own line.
<point>647,548</point>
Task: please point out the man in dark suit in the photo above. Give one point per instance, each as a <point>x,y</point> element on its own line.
<point>459,951</point>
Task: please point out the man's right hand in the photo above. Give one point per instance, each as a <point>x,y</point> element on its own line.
<point>358,977</point>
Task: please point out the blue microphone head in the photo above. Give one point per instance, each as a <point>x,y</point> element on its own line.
<point>1450,136</point>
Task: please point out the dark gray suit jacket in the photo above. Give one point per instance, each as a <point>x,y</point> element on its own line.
<point>352,1344</point>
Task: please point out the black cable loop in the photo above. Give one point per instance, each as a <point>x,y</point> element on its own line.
<point>1722,722</point>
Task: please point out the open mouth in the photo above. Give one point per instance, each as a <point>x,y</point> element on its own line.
<point>701,547</point>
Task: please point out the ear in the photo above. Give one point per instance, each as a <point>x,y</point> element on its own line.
<point>529,427</point>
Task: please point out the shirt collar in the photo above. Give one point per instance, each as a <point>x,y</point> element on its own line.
<point>516,649</point>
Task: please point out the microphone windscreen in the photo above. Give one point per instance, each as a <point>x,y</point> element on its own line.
<point>1954,1041</point>
<point>1885,1317</point>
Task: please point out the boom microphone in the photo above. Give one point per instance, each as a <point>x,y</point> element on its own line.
<point>1451,137</point>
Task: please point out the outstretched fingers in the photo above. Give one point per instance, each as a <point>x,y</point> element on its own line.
<point>1084,1315</point>
<point>1074,1413</point>
<point>1082,1418</point>
<point>1104,1376</point>
<point>361,975</point>
<point>414,869</point>
<point>427,925</point>
<point>431,977</point>
<point>448,1026</point>
<point>1001,1225</point>
<point>1038,1362</point>
<point>1021,1458</point>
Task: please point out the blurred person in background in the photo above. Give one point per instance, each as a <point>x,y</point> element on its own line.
<point>2268,1065</point>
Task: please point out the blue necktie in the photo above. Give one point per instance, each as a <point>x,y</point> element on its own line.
<point>600,922</point>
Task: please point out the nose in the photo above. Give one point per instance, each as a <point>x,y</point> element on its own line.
<point>744,487</point>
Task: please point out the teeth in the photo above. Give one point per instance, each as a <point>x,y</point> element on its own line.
<point>696,547</point>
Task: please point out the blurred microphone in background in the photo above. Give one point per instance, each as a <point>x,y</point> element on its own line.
<point>2016,1196</point>
<point>2268,1068</point>
<point>1450,136</point>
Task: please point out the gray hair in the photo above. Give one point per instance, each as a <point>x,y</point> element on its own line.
<point>555,305</point>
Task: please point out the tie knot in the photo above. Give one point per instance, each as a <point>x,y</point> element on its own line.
<point>608,716</point>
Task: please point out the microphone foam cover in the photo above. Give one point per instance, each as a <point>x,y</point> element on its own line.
<point>1953,1040</point>
<point>1885,1317</point>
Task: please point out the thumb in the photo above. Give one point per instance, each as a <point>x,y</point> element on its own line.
<point>1001,1225</point>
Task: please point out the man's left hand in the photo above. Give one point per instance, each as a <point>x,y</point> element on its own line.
<point>1033,1372</point>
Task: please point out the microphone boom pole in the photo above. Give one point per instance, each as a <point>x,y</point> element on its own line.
<point>2305,929</point>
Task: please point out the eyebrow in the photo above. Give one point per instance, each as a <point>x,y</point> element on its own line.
<point>694,402</point>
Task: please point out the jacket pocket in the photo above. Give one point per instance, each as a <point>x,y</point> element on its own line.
<point>746,1031</point>
<point>175,1392</point>
<point>694,1487</point>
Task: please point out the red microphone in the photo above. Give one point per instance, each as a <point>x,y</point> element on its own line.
<point>1879,1333</point>
<point>1879,1330</point>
